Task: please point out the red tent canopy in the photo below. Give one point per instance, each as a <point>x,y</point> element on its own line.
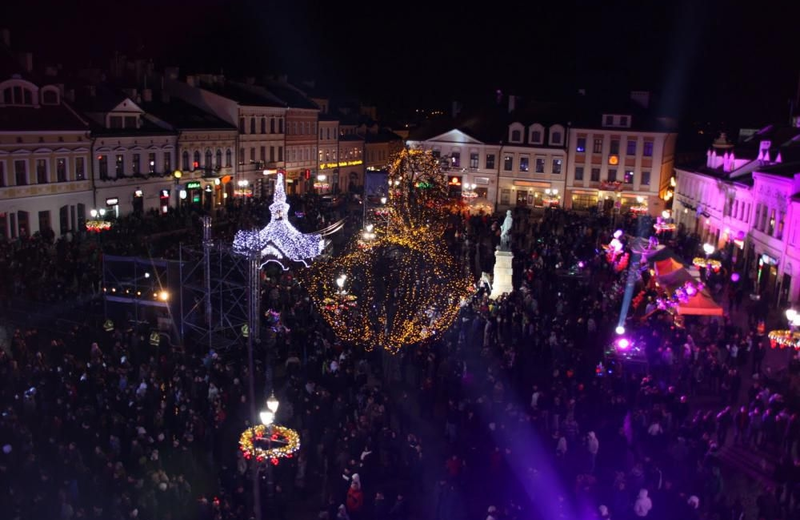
<point>701,304</point>
<point>667,266</point>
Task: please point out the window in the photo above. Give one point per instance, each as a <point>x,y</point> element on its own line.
<point>648,148</point>
<point>115,122</point>
<point>612,175</point>
<point>455,159</point>
<point>598,146</point>
<point>771,223</point>
<point>280,126</point>
<point>218,162</point>
<point>631,146</point>
<point>252,125</point>
<point>490,161</point>
<point>41,171</point>
<point>557,163</point>
<point>209,157</point>
<point>151,162</point>
<point>645,178</point>
<point>536,137</point>
<point>505,196</point>
<point>539,165</point>
<point>49,97</point>
<point>2,178</point>
<point>252,154</point>
<point>80,169</point>
<point>555,138</point>
<point>61,170</point>
<point>63,219</point>
<point>623,120</point>
<point>595,175</point>
<point>614,149</point>
<point>119,167</point>
<point>102,166</point>
<point>508,163</point>
<point>523,163</point>
<point>167,162</point>
<point>609,120</point>
<point>272,125</point>
<point>473,160</point>
<point>271,154</point>
<point>581,146</point>
<point>131,121</point>
<point>516,136</point>
<point>241,155</point>
<point>263,125</point>
<point>628,179</point>
<point>135,163</point>
<point>579,173</point>
<point>228,158</point>
<point>196,160</point>
<point>781,224</point>
<point>185,160</point>
<point>436,153</point>
<point>280,154</point>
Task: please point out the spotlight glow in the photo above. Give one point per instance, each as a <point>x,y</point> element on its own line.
<point>620,330</point>
<point>623,343</point>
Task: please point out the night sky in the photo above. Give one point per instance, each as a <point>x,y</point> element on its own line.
<point>737,64</point>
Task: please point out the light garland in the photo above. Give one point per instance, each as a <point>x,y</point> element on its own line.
<point>664,226</point>
<point>96,226</point>
<point>639,210</point>
<point>404,286</point>
<point>279,238</point>
<point>714,265</point>
<point>784,338</point>
<point>288,440</point>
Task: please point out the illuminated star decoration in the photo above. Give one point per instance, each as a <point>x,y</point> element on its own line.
<point>279,240</point>
<point>402,287</point>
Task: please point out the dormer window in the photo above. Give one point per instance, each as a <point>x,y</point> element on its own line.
<point>49,97</point>
<point>623,121</point>
<point>516,136</point>
<point>17,95</point>
<point>609,120</point>
<point>536,137</point>
<point>536,134</point>
<point>556,138</point>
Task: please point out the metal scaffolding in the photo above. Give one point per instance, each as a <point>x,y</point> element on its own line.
<point>214,301</point>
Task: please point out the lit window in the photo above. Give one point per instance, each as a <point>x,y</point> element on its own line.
<point>581,146</point>
<point>557,163</point>
<point>508,163</point>
<point>523,163</point>
<point>539,165</point>
<point>598,146</point>
<point>648,148</point>
<point>628,177</point>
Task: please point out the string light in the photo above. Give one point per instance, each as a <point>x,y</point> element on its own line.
<point>402,287</point>
<point>287,440</point>
<point>279,239</point>
<point>784,338</point>
<point>714,265</point>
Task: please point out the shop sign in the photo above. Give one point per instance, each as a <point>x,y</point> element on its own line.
<point>194,185</point>
<point>112,201</point>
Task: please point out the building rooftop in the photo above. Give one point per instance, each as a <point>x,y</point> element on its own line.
<point>182,115</point>
<point>43,118</point>
<point>248,95</point>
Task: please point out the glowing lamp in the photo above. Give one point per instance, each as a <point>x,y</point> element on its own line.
<point>708,248</point>
<point>735,277</point>
<point>273,403</point>
<point>623,343</point>
<point>640,199</point>
<point>102,212</point>
<point>383,200</point>
<point>690,290</point>
<point>666,214</point>
<point>369,228</point>
<point>617,233</point>
<point>791,315</point>
<point>93,213</point>
<point>581,264</point>
<point>266,417</point>
<point>163,296</point>
<point>138,193</point>
<point>340,281</point>
<point>620,330</point>
<point>147,275</point>
<point>177,174</point>
<point>182,194</point>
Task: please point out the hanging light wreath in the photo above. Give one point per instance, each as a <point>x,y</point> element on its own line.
<point>282,442</point>
<point>784,338</point>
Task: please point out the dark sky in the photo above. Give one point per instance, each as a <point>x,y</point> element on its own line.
<point>705,58</point>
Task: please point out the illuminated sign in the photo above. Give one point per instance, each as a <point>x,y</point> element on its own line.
<point>613,159</point>
<point>112,201</point>
<point>324,166</point>
<point>164,194</point>
<point>455,181</point>
<point>194,185</point>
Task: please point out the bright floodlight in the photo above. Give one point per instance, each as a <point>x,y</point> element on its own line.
<point>383,200</point>
<point>708,248</point>
<point>623,343</point>
<point>163,296</point>
<point>147,275</point>
<point>266,417</point>
<point>93,213</point>
<point>791,314</point>
<point>273,403</point>
<point>369,228</point>
<point>340,280</point>
<point>102,212</point>
<point>620,330</point>
<point>617,233</point>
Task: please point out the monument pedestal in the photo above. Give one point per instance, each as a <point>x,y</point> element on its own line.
<point>503,272</point>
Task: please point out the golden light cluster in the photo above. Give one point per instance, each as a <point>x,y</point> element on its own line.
<point>784,338</point>
<point>286,442</point>
<point>714,265</point>
<point>403,286</point>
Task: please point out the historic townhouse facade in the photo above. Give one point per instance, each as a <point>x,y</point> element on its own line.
<point>45,158</point>
<point>468,161</point>
<point>379,147</point>
<point>259,116</point>
<point>349,172</point>
<point>533,165</point>
<point>133,159</point>
<point>744,201</point>
<point>327,153</point>
<point>620,157</point>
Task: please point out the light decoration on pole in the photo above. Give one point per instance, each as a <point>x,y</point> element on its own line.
<point>281,442</point>
<point>404,286</point>
<point>279,240</point>
<point>710,263</point>
<point>787,338</point>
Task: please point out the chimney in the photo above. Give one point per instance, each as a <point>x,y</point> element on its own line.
<point>641,97</point>
<point>6,35</point>
<point>147,95</point>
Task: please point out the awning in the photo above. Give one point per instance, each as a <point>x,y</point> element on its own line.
<point>667,266</point>
<point>701,304</point>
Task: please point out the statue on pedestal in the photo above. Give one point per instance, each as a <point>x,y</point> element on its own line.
<point>505,232</point>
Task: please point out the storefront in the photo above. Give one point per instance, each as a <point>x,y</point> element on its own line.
<point>112,208</point>
<point>138,201</point>
<point>194,194</point>
<point>535,194</point>
<point>584,200</point>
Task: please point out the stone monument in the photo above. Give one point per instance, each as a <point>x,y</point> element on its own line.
<point>503,267</point>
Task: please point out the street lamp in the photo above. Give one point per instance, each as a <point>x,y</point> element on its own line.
<point>383,200</point>
<point>793,317</point>
<point>273,403</point>
<point>93,213</point>
<point>266,417</point>
<point>102,212</point>
<point>708,249</point>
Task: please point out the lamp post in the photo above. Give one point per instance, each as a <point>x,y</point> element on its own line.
<point>268,419</point>
<point>708,249</point>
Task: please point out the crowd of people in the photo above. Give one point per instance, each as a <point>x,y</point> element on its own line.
<point>515,412</point>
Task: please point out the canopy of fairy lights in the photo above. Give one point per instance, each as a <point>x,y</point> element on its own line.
<point>279,241</point>
<point>402,286</point>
